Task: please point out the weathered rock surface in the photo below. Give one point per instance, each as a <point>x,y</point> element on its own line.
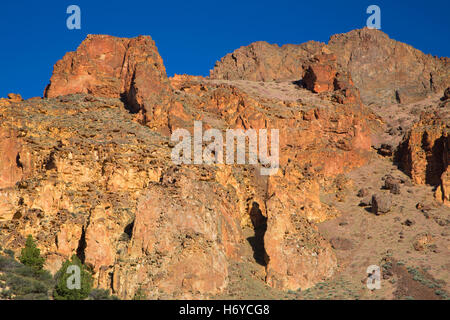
<point>12,98</point>
<point>384,70</point>
<point>261,61</point>
<point>184,231</point>
<point>83,177</point>
<point>424,153</point>
<point>381,203</point>
<point>87,170</point>
<point>73,180</point>
<point>293,245</point>
<point>325,75</point>
<point>106,66</point>
<point>422,241</point>
<point>392,184</point>
<point>446,95</point>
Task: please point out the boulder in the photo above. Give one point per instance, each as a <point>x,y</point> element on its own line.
<point>381,204</point>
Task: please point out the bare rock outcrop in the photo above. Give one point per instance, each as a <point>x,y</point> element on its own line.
<point>324,74</point>
<point>84,177</point>
<point>261,61</point>
<point>424,152</point>
<point>384,70</point>
<point>184,232</point>
<point>298,256</point>
<point>12,98</point>
<point>446,95</point>
<point>107,66</point>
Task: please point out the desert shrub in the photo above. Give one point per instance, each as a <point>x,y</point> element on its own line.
<point>33,296</point>
<point>420,277</point>
<point>24,282</point>
<point>39,275</point>
<point>9,252</point>
<point>139,294</point>
<point>62,277</point>
<point>25,287</point>
<point>8,263</point>
<point>101,294</point>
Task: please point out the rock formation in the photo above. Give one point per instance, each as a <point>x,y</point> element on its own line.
<point>82,177</point>
<point>87,170</point>
<point>384,70</point>
<point>424,153</point>
<point>112,67</point>
<point>12,98</point>
<point>261,61</point>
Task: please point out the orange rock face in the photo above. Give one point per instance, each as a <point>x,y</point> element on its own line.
<point>107,66</point>
<point>325,75</point>
<point>298,257</point>
<point>191,237</point>
<point>321,142</point>
<point>261,61</point>
<point>12,98</point>
<point>11,168</point>
<point>385,71</point>
<point>92,180</point>
<point>443,190</point>
<point>15,97</point>
<point>424,153</point>
<point>320,76</point>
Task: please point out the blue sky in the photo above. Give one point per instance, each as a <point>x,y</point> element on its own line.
<point>192,35</point>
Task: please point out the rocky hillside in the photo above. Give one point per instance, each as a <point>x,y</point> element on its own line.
<point>384,70</point>
<point>87,169</point>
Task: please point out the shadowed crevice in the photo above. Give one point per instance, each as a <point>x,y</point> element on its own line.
<point>82,246</point>
<point>259,222</point>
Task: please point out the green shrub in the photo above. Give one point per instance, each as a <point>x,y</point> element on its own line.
<point>8,263</point>
<point>139,294</point>
<point>24,282</point>
<point>31,255</point>
<point>9,252</point>
<point>62,277</point>
<point>101,294</point>
<point>25,288</point>
<point>33,296</point>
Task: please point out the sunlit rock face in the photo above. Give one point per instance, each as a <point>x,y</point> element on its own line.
<point>87,170</point>
<point>424,153</point>
<point>384,70</point>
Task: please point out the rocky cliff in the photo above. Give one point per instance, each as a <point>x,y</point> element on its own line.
<point>424,152</point>
<point>87,169</point>
<point>384,70</point>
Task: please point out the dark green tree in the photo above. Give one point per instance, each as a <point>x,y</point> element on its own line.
<point>31,255</point>
<point>72,274</point>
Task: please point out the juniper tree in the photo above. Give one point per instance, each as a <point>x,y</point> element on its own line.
<point>73,281</point>
<point>31,255</point>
